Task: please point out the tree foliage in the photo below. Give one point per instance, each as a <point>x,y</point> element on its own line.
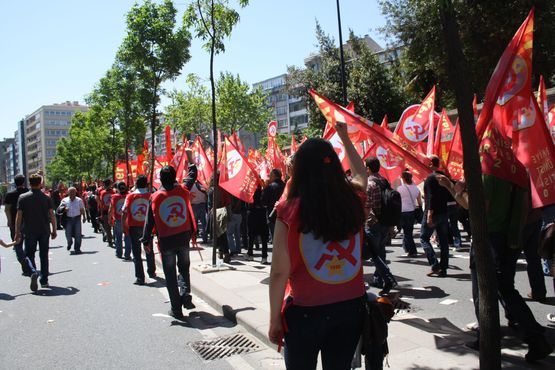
<point>486,27</point>
<point>85,153</point>
<point>370,84</point>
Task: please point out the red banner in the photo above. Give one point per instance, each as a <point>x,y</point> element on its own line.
<point>542,99</point>
<point>418,164</point>
<point>169,154</point>
<point>413,126</point>
<point>511,106</point>
<point>237,177</point>
<point>455,158</point>
<point>444,136</point>
<point>204,167</point>
<point>497,158</point>
<point>385,123</point>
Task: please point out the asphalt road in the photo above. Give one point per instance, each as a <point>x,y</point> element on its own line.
<point>93,317</point>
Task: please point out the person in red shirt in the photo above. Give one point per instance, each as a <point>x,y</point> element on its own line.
<point>104,199</point>
<point>317,250</point>
<point>114,213</point>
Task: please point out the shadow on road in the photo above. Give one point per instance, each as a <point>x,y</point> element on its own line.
<point>6,297</point>
<point>59,272</point>
<point>201,320</point>
<point>426,292</point>
<point>54,291</point>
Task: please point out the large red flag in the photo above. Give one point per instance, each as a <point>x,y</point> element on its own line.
<point>455,157</point>
<point>444,135</point>
<point>418,164</point>
<point>497,158</point>
<point>273,154</point>
<point>237,177</point>
<point>180,163</point>
<point>204,167</point>
<point>385,122</point>
<point>512,108</point>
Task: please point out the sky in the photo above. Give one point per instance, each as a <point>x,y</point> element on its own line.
<point>57,50</point>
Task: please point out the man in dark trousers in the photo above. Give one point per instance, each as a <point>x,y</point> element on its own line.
<point>270,195</point>
<point>171,213</point>
<point>34,214</point>
<point>10,207</point>
<point>436,217</point>
<point>133,214</point>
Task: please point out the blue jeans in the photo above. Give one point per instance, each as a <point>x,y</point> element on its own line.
<point>407,224</point>
<point>379,235</point>
<point>454,232</point>
<point>26,266</point>
<point>136,233</point>
<point>31,241</point>
<point>531,240</point>
<point>234,232</point>
<point>73,231</point>
<point>333,329</point>
<point>199,210</point>
<point>121,240</point>
<point>441,226</point>
<point>178,285</point>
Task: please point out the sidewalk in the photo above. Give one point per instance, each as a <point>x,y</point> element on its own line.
<point>241,294</point>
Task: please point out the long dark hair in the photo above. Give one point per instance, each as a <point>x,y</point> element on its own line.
<point>329,206</point>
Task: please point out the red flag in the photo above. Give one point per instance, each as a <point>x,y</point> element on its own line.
<point>444,135</point>
<point>512,108</point>
<point>475,108</point>
<point>551,122</point>
<point>304,139</point>
<point>181,164</point>
<point>169,154</point>
<point>204,167</point>
<point>294,147</point>
<point>273,153</point>
<point>497,158</point>
<point>455,157</point>
<point>542,99</point>
<point>385,122</point>
<point>431,136</point>
<point>236,175</point>
<point>335,113</point>
<point>335,141</point>
<point>414,124</point>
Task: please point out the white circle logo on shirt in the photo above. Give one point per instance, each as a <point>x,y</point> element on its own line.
<point>119,206</point>
<point>331,262</point>
<point>173,211</point>
<point>139,208</point>
<point>107,199</point>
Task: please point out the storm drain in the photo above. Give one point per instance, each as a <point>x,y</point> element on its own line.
<point>236,344</point>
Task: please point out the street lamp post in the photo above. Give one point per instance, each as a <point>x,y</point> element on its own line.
<point>343,83</point>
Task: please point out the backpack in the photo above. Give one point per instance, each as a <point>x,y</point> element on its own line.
<point>391,204</point>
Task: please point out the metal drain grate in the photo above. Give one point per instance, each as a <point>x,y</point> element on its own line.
<point>236,344</point>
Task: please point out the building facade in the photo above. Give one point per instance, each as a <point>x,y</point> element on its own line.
<point>7,173</point>
<point>43,129</point>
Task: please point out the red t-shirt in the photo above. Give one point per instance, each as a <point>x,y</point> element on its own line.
<point>321,273</point>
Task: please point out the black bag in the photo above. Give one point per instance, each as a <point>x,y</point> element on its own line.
<point>377,315</point>
<point>391,204</point>
<point>418,214</point>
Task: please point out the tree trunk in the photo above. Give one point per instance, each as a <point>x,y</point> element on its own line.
<point>152,130</point>
<point>214,134</point>
<point>490,347</point>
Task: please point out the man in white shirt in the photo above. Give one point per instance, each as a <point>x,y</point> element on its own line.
<point>74,209</point>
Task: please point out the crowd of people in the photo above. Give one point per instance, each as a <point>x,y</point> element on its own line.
<point>322,223</point>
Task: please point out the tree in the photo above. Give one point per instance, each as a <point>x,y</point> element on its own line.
<point>370,84</point>
<point>457,68</point>
<point>484,27</point>
<point>157,50</point>
<point>189,111</point>
<point>238,107</point>
<point>212,21</point>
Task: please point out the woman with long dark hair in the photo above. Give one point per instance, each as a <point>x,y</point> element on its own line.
<point>317,250</point>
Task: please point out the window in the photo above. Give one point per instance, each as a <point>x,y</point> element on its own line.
<point>293,107</point>
<point>299,120</point>
<point>281,110</point>
<point>282,123</point>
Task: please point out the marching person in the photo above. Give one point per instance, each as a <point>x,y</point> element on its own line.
<point>410,198</point>
<point>198,201</point>
<point>34,213</point>
<point>74,209</point>
<point>270,195</point>
<point>114,213</point>
<point>317,250</point>
<point>171,213</point>
<point>133,214</point>
<point>105,197</point>
<point>92,207</point>
<point>10,207</point>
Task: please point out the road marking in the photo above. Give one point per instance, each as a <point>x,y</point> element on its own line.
<point>448,301</point>
<point>237,362</point>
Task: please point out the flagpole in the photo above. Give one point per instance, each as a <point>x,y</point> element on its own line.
<point>343,84</point>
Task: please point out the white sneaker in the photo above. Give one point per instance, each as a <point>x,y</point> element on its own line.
<point>551,317</point>
<point>264,261</point>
